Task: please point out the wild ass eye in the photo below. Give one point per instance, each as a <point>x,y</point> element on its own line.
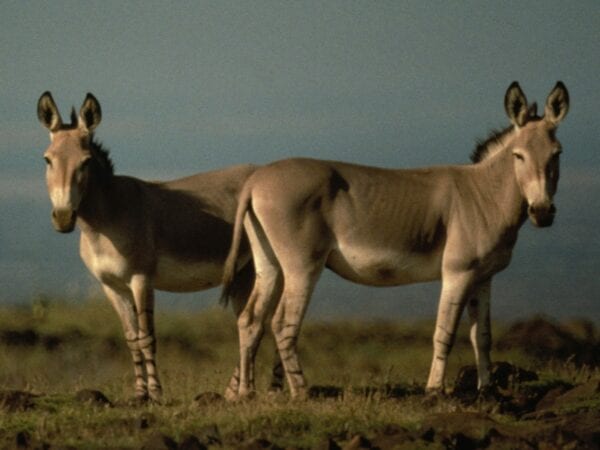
<point>519,156</point>
<point>48,162</point>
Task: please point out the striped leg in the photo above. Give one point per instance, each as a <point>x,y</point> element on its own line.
<point>122,301</point>
<point>480,334</point>
<point>267,286</point>
<point>277,374</point>
<point>231,392</point>
<point>455,289</point>
<point>143,295</point>
<point>286,324</point>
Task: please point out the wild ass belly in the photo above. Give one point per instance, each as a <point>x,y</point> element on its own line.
<point>384,266</point>
<point>167,272</point>
<point>178,275</point>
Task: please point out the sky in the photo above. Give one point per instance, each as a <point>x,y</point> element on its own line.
<point>187,87</point>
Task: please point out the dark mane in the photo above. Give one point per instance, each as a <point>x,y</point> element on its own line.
<point>485,148</point>
<point>102,164</point>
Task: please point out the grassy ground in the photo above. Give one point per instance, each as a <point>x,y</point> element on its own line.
<point>52,351</point>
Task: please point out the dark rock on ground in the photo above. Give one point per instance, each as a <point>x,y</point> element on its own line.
<point>209,435</point>
<point>159,441</point>
<point>93,397</point>
<point>145,420</point>
<point>395,438</point>
<point>325,392</point>
<point>327,444</point>
<point>23,439</point>
<point>503,375</point>
<point>546,340</point>
<point>358,442</point>
<point>259,444</point>
<point>191,442</point>
<point>12,401</point>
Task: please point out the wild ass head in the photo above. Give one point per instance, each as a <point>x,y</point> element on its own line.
<point>68,157</point>
<point>536,150</point>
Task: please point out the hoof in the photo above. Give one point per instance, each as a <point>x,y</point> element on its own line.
<point>301,395</point>
<point>433,397</point>
<point>155,397</point>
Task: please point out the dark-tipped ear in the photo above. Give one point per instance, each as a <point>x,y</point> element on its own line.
<point>90,113</point>
<point>48,112</point>
<point>557,104</point>
<point>515,104</point>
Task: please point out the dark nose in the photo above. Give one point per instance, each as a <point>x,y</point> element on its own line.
<point>542,215</point>
<point>63,220</point>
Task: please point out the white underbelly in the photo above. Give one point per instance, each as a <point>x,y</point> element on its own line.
<point>384,266</point>
<point>186,276</point>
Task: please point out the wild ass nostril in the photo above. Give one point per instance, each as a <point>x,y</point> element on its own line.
<point>64,219</point>
<point>541,209</point>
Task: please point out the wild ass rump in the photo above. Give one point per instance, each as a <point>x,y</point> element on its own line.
<point>391,227</point>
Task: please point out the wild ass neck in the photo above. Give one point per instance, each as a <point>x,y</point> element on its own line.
<point>498,186</point>
<point>98,206</point>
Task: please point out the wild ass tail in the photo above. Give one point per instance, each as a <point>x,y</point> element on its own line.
<point>229,269</point>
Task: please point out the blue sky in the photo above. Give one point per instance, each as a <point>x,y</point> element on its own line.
<point>192,86</point>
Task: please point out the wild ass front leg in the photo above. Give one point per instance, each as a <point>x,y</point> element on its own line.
<point>480,334</point>
<point>143,295</point>
<point>122,301</point>
<point>455,288</point>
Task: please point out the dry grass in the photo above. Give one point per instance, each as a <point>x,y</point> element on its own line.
<point>76,347</point>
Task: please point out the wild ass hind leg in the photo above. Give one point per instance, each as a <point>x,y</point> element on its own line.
<point>122,302</point>
<point>143,295</point>
<point>455,290</point>
<point>302,260</point>
<point>286,324</point>
<point>251,320</point>
<point>480,333</point>
<point>232,390</point>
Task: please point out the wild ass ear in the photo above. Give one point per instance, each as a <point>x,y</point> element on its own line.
<point>557,104</point>
<point>515,104</point>
<point>47,112</point>
<point>90,113</point>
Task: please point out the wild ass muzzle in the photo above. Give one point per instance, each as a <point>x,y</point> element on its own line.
<point>137,236</point>
<point>392,227</point>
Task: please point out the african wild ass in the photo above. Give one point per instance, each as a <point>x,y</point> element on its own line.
<point>391,227</point>
<point>137,236</point>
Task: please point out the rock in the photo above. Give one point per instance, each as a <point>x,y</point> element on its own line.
<point>191,442</point>
<point>23,439</point>
<point>546,340</point>
<point>394,438</point>
<point>505,379</point>
<point>93,397</point>
<point>358,442</point>
<point>259,444</point>
<point>12,401</point>
<point>145,420</point>
<point>548,400</point>
<point>577,394</point>
<point>327,444</point>
<point>159,441</point>
<point>325,392</point>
